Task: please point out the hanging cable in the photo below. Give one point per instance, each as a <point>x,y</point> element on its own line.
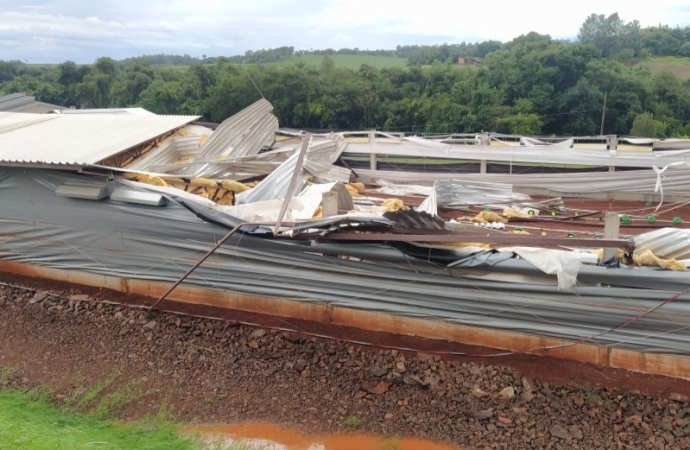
<point>252,80</point>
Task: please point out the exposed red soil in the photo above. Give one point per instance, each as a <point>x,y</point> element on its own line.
<point>214,371</point>
<point>545,369</point>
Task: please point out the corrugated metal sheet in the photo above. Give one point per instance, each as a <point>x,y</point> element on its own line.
<point>416,220</point>
<point>671,144</point>
<point>111,111</point>
<point>318,162</point>
<point>458,193</point>
<point>19,102</point>
<point>634,181</point>
<point>665,243</point>
<point>14,121</point>
<point>243,134</point>
<point>239,137</point>
<point>167,153</point>
<point>77,139</point>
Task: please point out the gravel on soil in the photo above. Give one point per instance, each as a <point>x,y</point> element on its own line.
<point>213,371</point>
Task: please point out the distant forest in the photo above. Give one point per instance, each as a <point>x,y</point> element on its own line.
<point>532,85</point>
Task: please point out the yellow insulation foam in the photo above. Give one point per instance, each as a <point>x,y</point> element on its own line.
<point>488,216</point>
<point>393,204</point>
<point>235,186</point>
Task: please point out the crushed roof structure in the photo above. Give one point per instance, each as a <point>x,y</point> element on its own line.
<point>441,232</point>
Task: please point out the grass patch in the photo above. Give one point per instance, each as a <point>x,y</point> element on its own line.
<point>29,421</point>
<point>85,419</point>
<point>345,61</point>
<point>676,65</point>
<point>5,374</point>
<point>354,421</point>
<point>353,62</point>
<point>103,400</point>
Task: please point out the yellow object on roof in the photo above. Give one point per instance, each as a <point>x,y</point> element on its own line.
<point>235,186</point>
<point>393,204</point>
<point>488,216</point>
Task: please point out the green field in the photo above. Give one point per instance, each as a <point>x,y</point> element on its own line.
<point>341,61</point>
<point>346,61</point>
<point>679,66</point>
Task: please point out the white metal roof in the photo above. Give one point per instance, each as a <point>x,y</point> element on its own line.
<point>77,139</point>
<point>110,111</point>
<point>20,102</point>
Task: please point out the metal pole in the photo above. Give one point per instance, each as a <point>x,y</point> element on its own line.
<point>293,180</point>
<point>194,267</point>
<point>611,230</point>
<point>329,203</point>
<point>603,114</point>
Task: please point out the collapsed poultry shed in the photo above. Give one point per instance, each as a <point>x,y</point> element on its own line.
<point>144,208</point>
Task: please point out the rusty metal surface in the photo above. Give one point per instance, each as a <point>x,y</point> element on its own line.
<point>505,238</point>
<point>657,364</point>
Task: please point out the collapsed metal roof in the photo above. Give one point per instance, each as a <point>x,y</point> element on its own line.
<point>77,139</point>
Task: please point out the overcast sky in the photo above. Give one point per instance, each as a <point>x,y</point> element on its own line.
<point>48,31</point>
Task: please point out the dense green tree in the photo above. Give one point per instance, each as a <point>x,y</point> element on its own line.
<point>136,78</point>
<point>646,126</point>
<point>604,32</point>
<point>531,85</point>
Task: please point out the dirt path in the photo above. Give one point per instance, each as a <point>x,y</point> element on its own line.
<point>213,371</point>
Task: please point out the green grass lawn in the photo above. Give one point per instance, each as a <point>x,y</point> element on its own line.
<point>679,66</point>
<point>30,422</point>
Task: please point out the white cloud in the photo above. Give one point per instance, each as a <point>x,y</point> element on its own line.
<point>57,30</point>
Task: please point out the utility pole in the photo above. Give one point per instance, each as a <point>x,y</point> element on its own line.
<point>603,115</point>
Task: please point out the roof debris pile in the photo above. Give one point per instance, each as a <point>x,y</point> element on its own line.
<point>458,216</point>
<point>243,168</point>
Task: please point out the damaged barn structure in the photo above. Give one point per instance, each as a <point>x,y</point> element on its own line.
<point>574,248</point>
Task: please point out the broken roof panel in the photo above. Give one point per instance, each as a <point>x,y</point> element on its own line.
<point>665,243</point>
<point>317,162</point>
<point>167,153</point>
<point>77,139</point>
<point>243,134</point>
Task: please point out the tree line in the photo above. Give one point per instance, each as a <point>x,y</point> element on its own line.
<point>615,38</point>
<point>532,85</point>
